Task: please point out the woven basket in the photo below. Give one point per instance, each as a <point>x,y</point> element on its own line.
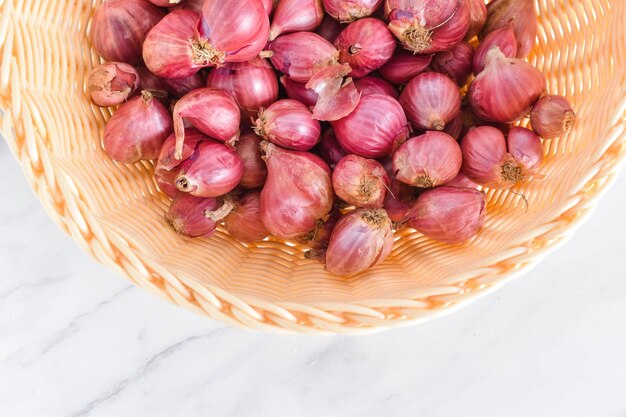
<point>115,212</point>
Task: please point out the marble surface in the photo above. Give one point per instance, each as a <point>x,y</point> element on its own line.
<point>76,340</point>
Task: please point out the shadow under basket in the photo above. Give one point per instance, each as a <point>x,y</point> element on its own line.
<point>115,212</point>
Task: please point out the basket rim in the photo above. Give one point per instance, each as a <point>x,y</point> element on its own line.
<point>363,317</point>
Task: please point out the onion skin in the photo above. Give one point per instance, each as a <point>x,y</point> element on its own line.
<point>361,182</point>
<point>346,11</point>
<point>503,39</point>
<point>300,55</point>
<point>298,91</point>
<point>337,95</point>
<point>289,124</point>
<point>213,171</point>
<point>361,240</point>
<point>404,66</point>
<point>112,83</point>
<point>372,85</point>
<point>254,168</point>
<point>187,216</point>
<point>478,17</point>
<point>296,16</point>
<point>253,84</point>
<point>213,112</point>
<point>552,116</point>
<point>449,215</point>
<point>119,28</point>
<point>428,161</point>
<point>431,101</point>
<point>330,150</point>
<point>244,223</point>
<point>526,148</point>
<point>374,129</point>
<point>506,89</point>
<point>297,194</point>
<point>457,63</point>
<point>137,130</point>
<point>519,15</point>
<point>366,45</point>
<point>319,238</point>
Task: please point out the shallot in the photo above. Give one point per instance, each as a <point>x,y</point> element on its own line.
<point>351,10</point>
<point>196,217</point>
<point>289,124</point>
<point>361,182</point>
<point>244,222</point>
<point>296,16</point>
<point>254,168</point>
<point>112,83</point>
<point>552,116</point>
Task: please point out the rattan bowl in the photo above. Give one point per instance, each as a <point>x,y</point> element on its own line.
<point>115,213</point>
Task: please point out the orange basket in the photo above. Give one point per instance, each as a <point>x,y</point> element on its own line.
<point>115,212</point>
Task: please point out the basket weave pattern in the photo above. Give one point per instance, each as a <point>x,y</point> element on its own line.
<point>115,212</point>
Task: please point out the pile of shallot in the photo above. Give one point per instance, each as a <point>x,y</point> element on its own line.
<point>329,123</point>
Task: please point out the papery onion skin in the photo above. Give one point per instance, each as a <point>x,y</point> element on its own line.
<point>337,94</point>
<point>503,39</point>
<point>297,194</point>
<point>253,84</point>
<point>374,85</point>
<point>119,28</point>
<point>552,116</point>
<point>361,240</point>
<point>112,83</point>
<point>431,100</point>
<point>330,150</point>
<point>404,66</point>
<point>165,170</point>
<point>526,148</point>
<point>361,182</point>
<point>374,129</point>
<point>187,216</point>
<point>519,15</point>
<point>214,170</point>
<point>478,17</point>
<point>254,168</point>
<point>456,63</point>
<point>449,215</point>
<point>213,112</point>
<point>506,89</point>
<point>299,55</point>
<point>137,130</point>
<point>299,91</point>
<point>289,124</point>
<point>244,223</point>
<point>427,161</point>
<point>296,16</point>
<point>366,45</point>
<point>346,11</point>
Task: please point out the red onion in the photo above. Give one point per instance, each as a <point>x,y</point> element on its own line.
<point>503,38</point>
<point>486,161</point>
<point>244,223</point>
<point>166,170</point>
<point>288,124</point>
<point>404,66</point>
<point>478,17</point>
<point>188,215</point>
<point>213,112</point>
<point>431,101</point>
<point>254,169</point>
<point>214,170</point>
<point>426,26</point>
<point>297,194</point>
<point>361,240</point>
<point>337,95</point>
<point>455,128</point>
<point>366,45</point>
<point>373,85</point>
<point>296,16</point>
<point>361,182</point>
<point>319,238</point>
<point>455,63</point>
<point>449,215</point>
<point>150,124</point>
<point>506,89</point>
<point>351,10</point>
<point>427,161</point>
<point>300,55</point>
<point>374,129</point>
<point>253,84</point>
<point>298,91</point>
<point>330,150</point>
<point>330,29</point>
<point>112,83</point>
<point>119,28</point>
<point>526,148</point>
<point>235,30</point>
<point>400,198</point>
<point>462,181</point>
<point>519,15</point>
<point>552,116</point>
<point>150,82</point>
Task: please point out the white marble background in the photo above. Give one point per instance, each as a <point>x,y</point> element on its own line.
<point>76,340</point>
